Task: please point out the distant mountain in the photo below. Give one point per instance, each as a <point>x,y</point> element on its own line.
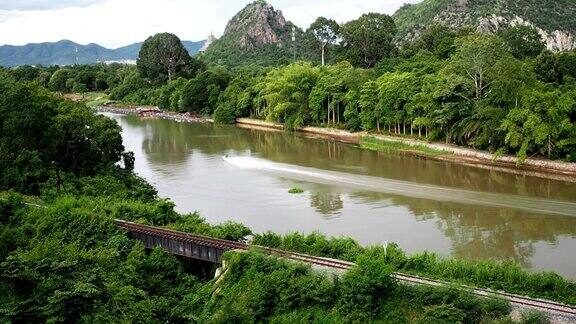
<point>256,34</point>
<point>66,52</point>
<point>555,20</point>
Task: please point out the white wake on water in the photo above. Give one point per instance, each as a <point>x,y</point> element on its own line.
<point>405,188</point>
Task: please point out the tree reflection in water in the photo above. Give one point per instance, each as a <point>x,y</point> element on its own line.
<point>327,203</point>
<point>484,232</point>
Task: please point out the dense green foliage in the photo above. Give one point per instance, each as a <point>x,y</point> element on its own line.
<point>41,135</point>
<point>65,176</point>
<point>69,262</point>
<point>78,78</point>
<point>201,94</point>
<point>499,276</point>
<point>368,39</point>
<point>281,292</point>
<point>163,58</point>
<point>522,41</point>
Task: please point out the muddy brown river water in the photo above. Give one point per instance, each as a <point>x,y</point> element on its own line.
<point>373,197</point>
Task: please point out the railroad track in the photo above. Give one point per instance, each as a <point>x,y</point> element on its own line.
<point>516,300</point>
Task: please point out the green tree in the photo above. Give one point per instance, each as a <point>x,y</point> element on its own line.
<point>41,133</point>
<point>438,40</point>
<point>58,80</point>
<point>168,96</point>
<point>474,60</point>
<point>131,83</point>
<point>546,67</point>
<point>368,106</point>
<point>522,41</point>
<point>200,94</point>
<point>567,67</point>
<point>324,32</point>
<point>541,124</point>
<point>163,57</point>
<point>366,286</point>
<point>327,95</point>
<point>368,39</point>
<point>286,92</point>
<point>395,94</point>
<point>26,73</point>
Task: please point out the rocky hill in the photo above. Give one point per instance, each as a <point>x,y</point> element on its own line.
<point>66,52</point>
<point>555,20</point>
<point>257,34</point>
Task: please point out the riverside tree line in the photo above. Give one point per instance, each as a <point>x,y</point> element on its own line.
<point>505,92</point>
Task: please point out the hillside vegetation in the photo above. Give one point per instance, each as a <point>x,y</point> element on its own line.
<point>548,15</point>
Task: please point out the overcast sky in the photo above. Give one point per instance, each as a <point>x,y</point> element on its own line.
<point>115,23</point>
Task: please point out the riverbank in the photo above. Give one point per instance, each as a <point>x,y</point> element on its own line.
<point>559,170</point>
<point>154,112</point>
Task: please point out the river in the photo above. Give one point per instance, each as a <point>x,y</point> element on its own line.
<point>244,175</point>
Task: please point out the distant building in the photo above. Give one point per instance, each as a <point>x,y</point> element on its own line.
<point>126,61</point>
<point>209,40</point>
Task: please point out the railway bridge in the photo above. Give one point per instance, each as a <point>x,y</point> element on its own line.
<point>211,250</point>
<point>179,243</point>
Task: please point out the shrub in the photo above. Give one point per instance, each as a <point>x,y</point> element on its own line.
<point>534,317</point>
<point>442,314</point>
<point>225,114</point>
<point>9,203</point>
<point>366,286</point>
<point>296,191</point>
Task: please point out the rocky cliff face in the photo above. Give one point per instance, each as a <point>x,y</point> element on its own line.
<point>257,34</point>
<point>557,40</point>
<point>258,24</point>
<point>555,20</point>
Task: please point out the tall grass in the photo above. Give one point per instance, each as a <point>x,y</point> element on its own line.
<point>375,144</point>
<point>95,99</point>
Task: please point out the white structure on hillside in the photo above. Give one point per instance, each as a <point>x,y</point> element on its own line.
<point>209,40</point>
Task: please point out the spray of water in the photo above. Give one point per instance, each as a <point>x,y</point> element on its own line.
<point>404,188</point>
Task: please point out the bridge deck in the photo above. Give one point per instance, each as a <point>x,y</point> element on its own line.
<point>178,243</point>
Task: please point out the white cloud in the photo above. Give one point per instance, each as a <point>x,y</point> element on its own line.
<point>43,4</point>
<point>115,23</point>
